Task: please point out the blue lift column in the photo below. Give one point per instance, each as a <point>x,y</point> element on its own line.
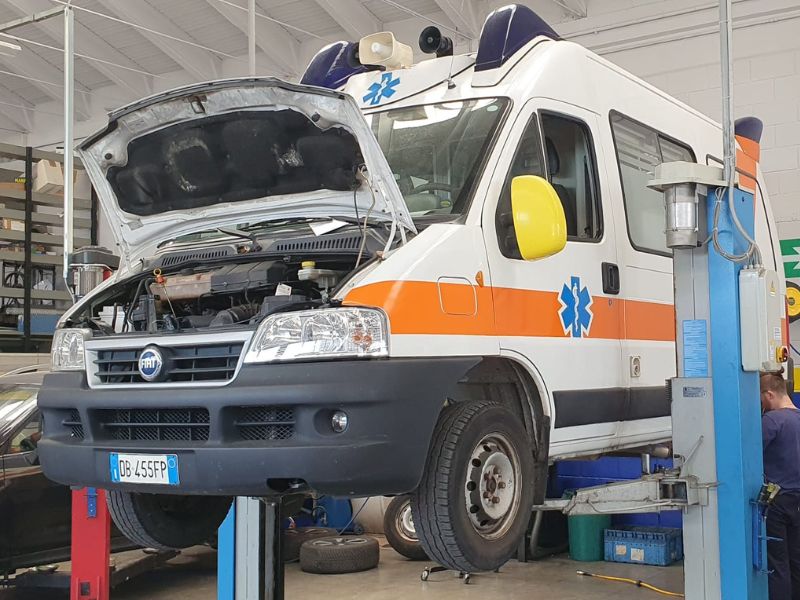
<point>737,415</point>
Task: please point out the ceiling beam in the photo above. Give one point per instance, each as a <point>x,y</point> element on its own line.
<point>575,8</point>
<point>202,65</point>
<point>352,16</point>
<point>90,44</point>
<point>48,78</point>
<point>22,116</point>
<point>9,123</point>
<point>463,15</point>
<point>275,42</point>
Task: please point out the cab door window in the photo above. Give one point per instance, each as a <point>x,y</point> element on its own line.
<point>527,161</point>
<point>564,155</point>
<point>572,170</point>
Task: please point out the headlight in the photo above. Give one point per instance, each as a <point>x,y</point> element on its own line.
<point>324,333</point>
<point>67,352</point>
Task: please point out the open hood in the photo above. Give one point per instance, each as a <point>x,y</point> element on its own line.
<point>236,151</point>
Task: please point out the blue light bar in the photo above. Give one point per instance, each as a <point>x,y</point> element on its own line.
<point>749,127</point>
<point>506,30</point>
<point>331,67</point>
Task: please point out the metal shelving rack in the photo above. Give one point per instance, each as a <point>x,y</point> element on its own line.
<point>17,294</point>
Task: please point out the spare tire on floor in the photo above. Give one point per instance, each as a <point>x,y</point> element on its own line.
<point>292,539</point>
<point>340,554</point>
<point>167,521</point>
<point>398,526</point>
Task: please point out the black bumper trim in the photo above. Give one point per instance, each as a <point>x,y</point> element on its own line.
<point>392,405</point>
<point>588,407</point>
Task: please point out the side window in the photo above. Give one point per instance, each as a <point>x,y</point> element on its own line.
<point>639,150</point>
<point>26,438</point>
<point>572,170</point>
<point>527,161</point>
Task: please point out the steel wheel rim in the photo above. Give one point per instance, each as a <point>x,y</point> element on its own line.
<point>492,490</point>
<point>339,542</point>
<point>404,523</point>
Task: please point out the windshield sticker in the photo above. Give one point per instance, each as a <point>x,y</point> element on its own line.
<point>576,315</point>
<point>382,89</point>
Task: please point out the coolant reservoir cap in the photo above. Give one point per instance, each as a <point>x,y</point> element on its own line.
<point>308,264</point>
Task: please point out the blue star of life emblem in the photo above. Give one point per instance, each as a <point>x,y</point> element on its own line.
<point>382,89</point>
<point>575,313</point>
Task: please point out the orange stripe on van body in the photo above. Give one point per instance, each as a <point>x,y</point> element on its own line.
<point>414,307</point>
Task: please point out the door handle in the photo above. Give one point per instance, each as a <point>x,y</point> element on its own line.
<point>610,278</point>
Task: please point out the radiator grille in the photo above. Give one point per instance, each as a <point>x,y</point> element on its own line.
<point>259,423</point>
<point>155,425</point>
<point>209,362</point>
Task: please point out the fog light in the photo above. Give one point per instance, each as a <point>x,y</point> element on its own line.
<point>339,421</point>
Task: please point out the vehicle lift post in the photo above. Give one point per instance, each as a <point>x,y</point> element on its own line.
<point>714,398</point>
<point>91,545</point>
<point>249,561</point>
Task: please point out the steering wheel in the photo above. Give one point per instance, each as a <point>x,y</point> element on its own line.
<point>433,185</point>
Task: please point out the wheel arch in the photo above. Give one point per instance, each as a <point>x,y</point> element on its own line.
<point>508,381</point>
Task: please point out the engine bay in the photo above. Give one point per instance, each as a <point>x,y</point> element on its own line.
<point>229,285</point>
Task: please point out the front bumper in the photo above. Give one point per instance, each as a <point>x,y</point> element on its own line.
<point>392,407</point>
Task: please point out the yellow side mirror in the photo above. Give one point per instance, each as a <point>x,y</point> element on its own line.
<point>539,221</point>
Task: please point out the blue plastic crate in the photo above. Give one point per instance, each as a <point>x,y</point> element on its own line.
<point>659,546</point>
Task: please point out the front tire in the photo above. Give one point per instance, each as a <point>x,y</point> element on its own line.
<point>474,501</point>
<point>167,522</point>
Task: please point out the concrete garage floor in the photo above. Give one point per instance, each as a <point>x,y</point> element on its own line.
<point>192,576</point>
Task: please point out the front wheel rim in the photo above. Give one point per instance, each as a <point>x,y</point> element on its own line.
<point>492,490</point>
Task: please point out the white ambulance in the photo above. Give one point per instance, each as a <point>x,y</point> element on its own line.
<point>442,295</point>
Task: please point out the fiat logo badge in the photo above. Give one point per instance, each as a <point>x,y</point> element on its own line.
<point>151,363</point>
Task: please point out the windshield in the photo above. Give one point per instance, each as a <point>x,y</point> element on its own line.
<point>435,150</point>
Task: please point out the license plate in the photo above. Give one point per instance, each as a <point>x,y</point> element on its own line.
<point>159,469</point>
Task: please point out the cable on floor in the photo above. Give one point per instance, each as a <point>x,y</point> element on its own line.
<point>636,582</point>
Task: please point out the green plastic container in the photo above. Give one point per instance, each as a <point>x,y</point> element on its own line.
<point>586,536</point>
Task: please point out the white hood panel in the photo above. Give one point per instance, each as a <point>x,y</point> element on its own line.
<point>138,234</point>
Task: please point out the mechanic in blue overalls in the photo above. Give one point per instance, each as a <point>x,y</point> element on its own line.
<point>780,424</point>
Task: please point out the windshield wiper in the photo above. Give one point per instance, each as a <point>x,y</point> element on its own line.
<point>254,245</point>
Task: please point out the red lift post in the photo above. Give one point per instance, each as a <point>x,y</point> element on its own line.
<point>91,545</point>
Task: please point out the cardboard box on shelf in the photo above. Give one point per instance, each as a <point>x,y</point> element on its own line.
<point>13,224</point>
<point>48,177</point>
<point>9,185</point>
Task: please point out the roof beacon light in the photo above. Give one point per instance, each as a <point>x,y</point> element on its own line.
<point>431,40</point>
<point>505,31</point>
<point>332,66</point>
<point>384,50</point>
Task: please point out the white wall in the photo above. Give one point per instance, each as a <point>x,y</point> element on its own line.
<point>675,46</point>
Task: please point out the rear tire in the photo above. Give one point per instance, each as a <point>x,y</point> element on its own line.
<point>344,554</point>
<point>398,526</point>
<point>167,522</point>
<point>474,501</point>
